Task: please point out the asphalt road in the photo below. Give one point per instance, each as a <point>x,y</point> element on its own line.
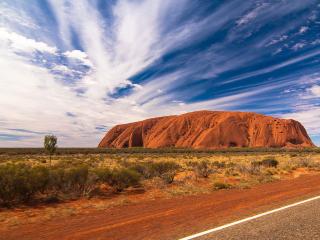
<point>299,222</point>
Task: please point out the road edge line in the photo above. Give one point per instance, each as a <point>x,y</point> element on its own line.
<point>248,219</point>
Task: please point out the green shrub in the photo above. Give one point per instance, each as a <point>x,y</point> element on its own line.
<point>253,169</point>
<point>19,182</point>
<point>305,163</point>
<point>40,178</point>
<point>221,185</point>
<point>256,164</point>
<point>166,170</point>
<point>168,177</point>
<point>104,174</point>
<point>218,164</point>
<point>76,178</point>
<point>121,179</point>
<point>143,169</point>
<point>8,191</point>
<point>75,181</point>
<point>203,168</point>
<point>269,162</point>
<point>57,180</point>
<point>157,169</point>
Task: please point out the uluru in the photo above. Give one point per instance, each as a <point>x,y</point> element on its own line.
<point>209,130</point>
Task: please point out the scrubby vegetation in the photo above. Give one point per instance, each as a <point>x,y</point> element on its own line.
<point>31,178</point>
<point>221,185</point>
<point>139,150</point>
<point>121,179</point>
<point>165,170</point>
<point>21,183</point>
<point>269,162</point>
<point>202,168</point>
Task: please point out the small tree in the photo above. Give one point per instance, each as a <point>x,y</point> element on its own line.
<point>50,142</point>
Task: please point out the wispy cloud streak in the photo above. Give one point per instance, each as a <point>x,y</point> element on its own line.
<point>89,65</point>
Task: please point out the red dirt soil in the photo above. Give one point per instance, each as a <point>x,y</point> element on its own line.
<point>209,129</point>
<point>171,218</point>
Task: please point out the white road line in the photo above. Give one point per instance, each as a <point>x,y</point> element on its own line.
<point>248,219</point>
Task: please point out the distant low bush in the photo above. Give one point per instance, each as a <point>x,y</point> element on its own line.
<point>123,178</point>
<point>304,163</point>
<point>253,169</point>
<point>203,168</point>
<point>218,164</point>
<point>270,162</point>
<point>160,168</point>
<point>143,169</point>
<point>267,162</point>
<point>221,185</point>
<point>166,151</point>
<point>168,177</point>
<point>166,170</point>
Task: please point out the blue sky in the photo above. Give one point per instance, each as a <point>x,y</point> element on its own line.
<point>76,68</point>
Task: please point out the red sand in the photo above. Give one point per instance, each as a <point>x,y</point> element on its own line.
<point>171,218</point>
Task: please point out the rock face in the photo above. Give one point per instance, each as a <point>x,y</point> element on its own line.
<point>209,130</point>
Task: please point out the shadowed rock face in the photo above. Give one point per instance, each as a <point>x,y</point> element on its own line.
<point>209,130</point>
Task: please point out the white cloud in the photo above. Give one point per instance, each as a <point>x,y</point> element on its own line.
<point>245,19</point>
<point>305,108</point>
<point>303,29</point>
<point>251,15</point>
<point>78,55</point>
<point>298,46</point>
<point>279,50</point>
<point>315,42</point>
<point>273,67</point>
<point>140,32</point>
<point>312,92</point>
<point>119,51</point>
<point>61,68</point>
<point>10,16</point>
<point>63,15</point>
<point>20,43</point>
<point>37,97</point>
<point>315,90</point>
<point>309,117</point>
<point>277,40</point>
